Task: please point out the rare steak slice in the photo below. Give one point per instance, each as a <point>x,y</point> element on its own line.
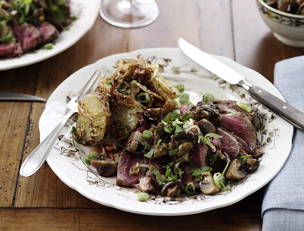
<point>47,32</point>
<point>28,36</point>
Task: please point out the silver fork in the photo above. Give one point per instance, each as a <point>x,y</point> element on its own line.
<point>37,157</point>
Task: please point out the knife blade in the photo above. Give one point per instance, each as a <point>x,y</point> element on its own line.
<point>12,96</point>
<point>286,111</point>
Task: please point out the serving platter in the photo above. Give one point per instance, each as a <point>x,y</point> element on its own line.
<point>64,160</point>
<point>86,13</point>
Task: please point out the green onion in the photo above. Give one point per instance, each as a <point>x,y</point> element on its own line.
<point>180,88</point>
<point>173,152</point>
<point>142,197</point>
<point>184,98</point>
<point>150,154</point>
<point>244,157</point>
<point>244,106</point>
<point>190,188</point>
<point>206,169</point>
<point>143,97</point>
<point>197,172</point>
<point>168,128</point>
<point>208,98</point>
<point>219,180</point>
<point>123,88</point>
<point>48,46</point>
<point>171,116</point>
<point>147,135</point>
<point>90,157</point>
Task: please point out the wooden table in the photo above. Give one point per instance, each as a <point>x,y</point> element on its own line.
<point>231,28</point>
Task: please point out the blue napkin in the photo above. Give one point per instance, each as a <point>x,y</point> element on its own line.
<point>283,204</point>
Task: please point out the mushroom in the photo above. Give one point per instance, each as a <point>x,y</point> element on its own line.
<point>251,165</point>
<point>145,184</point>
<point>161,150</point>
<point>234,171</point>
<point>105,167</point>
<point>184,148</point>
<point>135,143</point>
<point>171,189</point>
<point>206,126</point>
<point>183,136</point>
<point>207,185</point>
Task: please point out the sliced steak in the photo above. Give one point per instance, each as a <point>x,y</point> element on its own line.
<point>47,32</point>
<point>240,125</point>
<point>199,153</point>
<point>10,49</point>
<point>230,144</point>
<point>28,36</point>
<point>126,162</point>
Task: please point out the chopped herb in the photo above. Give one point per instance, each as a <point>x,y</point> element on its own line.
<point>171,116</point>
<point>173,152</point>
<point>142,197</point>
<point>208,98</point>
<point>184,98</point>
<point>152,150</point>
<point>147,135</point>
<point>90,157</point>
<point>180,88</point>
<point>197,172</point>
<point>168,128</point>
<point>48,46</point>
<point>244,106</point>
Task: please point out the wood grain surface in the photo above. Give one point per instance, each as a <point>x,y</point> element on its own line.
<point>232,28</point>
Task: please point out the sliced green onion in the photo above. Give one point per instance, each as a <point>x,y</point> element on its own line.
<point>143,97</point>
<point>152,150</point>
<point>184,98</point>
<point>168,128</point>
<point>173,152</point>
<point>123,88</point>
<point>147,135</point>
<point>208,98</point>
<point>244,106</point>
<point>190,188</point>
<point>48,46</point>
<point>219,180</point>
<point>142,197</point>
<point>213,135</point>
<point>180,88</point>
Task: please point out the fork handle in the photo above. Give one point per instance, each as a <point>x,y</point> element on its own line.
<point>37,157</point>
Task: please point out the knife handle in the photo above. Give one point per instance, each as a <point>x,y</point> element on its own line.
<point>288,112</point>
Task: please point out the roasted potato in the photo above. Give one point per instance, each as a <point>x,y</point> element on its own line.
<point>93,118</point>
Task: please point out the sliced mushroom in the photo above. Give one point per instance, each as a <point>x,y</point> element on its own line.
<point>135,143</point>
<point>251,165</point>
<point>184,148</point>
<point>207,185</point>
<point>145,185</point>
<point>161,150</point>
<point>171,189</point>
<point>234,171</point>
<point>181,136</point>
<point>106,167</point>
<point>206,126</point>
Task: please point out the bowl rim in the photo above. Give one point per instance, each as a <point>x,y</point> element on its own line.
<point>279,11</point>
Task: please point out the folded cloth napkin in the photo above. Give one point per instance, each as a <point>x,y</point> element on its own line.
<point>283,204</point>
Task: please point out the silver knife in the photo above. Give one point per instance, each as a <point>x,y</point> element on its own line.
<point>223,71</point>
<point>12,96</point>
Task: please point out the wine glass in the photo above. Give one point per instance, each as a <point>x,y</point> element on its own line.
<point>129,13</point>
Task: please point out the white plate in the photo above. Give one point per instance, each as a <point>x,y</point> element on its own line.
<point>86,13</point>
<point>65,163</point>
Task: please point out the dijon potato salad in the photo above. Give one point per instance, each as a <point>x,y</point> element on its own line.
<point>151,137</point>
